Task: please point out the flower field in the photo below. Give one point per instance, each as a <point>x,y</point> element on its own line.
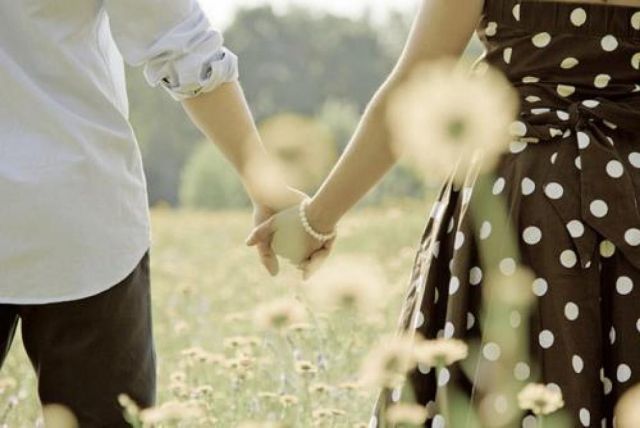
<point>220,361</point>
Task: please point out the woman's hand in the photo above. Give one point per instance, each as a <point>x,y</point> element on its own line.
<point>284,235</point>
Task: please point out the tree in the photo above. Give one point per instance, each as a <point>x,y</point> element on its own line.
<point>165,134</point>
<point>289,63</point>
<point>210,182</point>
<point>295,62</point>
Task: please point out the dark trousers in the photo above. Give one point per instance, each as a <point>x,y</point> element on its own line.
<point>87,352</point>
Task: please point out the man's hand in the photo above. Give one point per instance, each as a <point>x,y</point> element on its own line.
<point>284,235</point>
<point>261,214</point>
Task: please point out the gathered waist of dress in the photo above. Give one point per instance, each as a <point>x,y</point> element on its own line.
<point>595,163</point>
<point>558,107</point>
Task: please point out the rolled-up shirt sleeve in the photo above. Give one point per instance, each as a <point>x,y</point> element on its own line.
<point>175,42</point>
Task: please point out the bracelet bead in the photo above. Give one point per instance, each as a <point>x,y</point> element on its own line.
<point>322,237</point>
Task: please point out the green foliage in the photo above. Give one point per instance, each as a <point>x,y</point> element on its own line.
<point>320,66</point>
<point>210,182</point>
<point>288,63</point>
<point>165,134</point>
<point>341,117</point>
<point>296,61</point>
<point>398,183</point>
<point>206,288</point>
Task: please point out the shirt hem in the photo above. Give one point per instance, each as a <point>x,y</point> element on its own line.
<point>74,296</point>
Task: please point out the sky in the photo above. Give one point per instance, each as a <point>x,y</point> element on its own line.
<point>221,12</point>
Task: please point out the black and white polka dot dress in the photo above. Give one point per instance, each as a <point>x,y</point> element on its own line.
<point>571,181</point>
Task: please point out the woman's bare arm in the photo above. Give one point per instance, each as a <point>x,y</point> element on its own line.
<point>442,28</point>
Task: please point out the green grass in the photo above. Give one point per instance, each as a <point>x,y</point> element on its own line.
<point>207,286</point>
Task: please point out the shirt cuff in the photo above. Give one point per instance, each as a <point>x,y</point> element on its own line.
<point>202,67</point>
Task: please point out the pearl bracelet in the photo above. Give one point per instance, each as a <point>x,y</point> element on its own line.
<point>307,227</point>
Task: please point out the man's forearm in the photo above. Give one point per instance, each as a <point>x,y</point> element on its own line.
<point>224,117</point>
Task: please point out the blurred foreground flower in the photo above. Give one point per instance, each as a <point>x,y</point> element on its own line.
<point>130,409</point>
<point>403,413</point>
<point>320,388</point>
<point>279,314</point>
<point>254,424</point>
<point>540,399</point>
<point>303,148</point>
<point>171,411</point>
<point>58,416</point>
<point>627,411</point>
<point>388,363</point>
<point>236,342</point>
<point>288,400</point>
<point>510,284</point>
<point>6,384</point>
<point>441,352</point>
<point>444,114</point>
<point>304,367</point>
<point>347,284</point>
<point>322,414</point>
<point>300,327</point>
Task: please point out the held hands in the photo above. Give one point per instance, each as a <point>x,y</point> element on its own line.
<point>285,235</point>
<point>262,213</point>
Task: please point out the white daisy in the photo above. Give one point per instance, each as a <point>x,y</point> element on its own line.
<point>444,115</point>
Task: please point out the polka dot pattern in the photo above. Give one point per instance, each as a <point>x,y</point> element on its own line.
<point>540,287</point>
<point>506,54</point>
<point>624,285</point>
<point>569,63</point>
<point>576,228</point>
<point>615,169</point>
<point>578,17</point>
<point>585,417</point>
<point>577,363</point>
<point>508,266</point>
<point>571,311</point>
<point>609,43</point>
<point>571,157</point>
<point>491,351</point>
<point>475,275</point>
<point>565,90</point>
<point>599,208</point>
<point>492,29</point>
<point>632,236</point>
<point>522,371</point>
<point>546,339</point>
<point>528,186</point>
<point>568,258</point>
<point>635,61</point>
<point>554,190</point>
<point>635,21</point>
<point>541,40</point>
<point>485,230</point>
<point>583,140</point>
<point>601,81</point>
<point>623,373</point>
<point>532,235</point>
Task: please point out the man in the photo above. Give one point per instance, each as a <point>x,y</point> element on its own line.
<point>74,240</point>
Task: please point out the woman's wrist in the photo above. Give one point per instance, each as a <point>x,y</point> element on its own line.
<point>320,219</point>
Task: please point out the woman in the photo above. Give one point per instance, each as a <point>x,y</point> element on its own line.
<point>573,195</point>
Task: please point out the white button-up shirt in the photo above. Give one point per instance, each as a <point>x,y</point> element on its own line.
<point>73,202</point>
